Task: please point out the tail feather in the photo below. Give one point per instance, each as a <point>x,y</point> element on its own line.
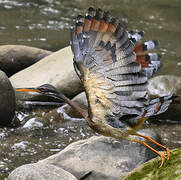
<point>108,36</point>
<point>159,105</point>
<point>146,46</point>
<point>105,22</point>
<point>79,24</point>
<point>136,36</point>
<point>74,44</point>
<point>148,60</point>
<point>113,25</point>
<point>150,63</point>
<point>88,19</point>
<point>154,107</point>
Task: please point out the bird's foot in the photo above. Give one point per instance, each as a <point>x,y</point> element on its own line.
<point>167,150</point>
<point>163,157</point>
<point>161,154</point>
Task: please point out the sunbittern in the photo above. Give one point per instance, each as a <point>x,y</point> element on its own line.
<point>114,70</point>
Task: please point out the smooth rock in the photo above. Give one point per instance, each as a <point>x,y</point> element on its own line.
<point>56,69</point>
<point>150,171</point>
<point>33,123</point>
<point>169,134</point>
<point>81,99</point>
<point>7,99</point>
<point>14,58</point>
<point>164,85</point>
<point>105,157</point>
<point>40,172</point>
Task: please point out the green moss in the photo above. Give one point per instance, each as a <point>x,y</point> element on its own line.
<point>151,171</point>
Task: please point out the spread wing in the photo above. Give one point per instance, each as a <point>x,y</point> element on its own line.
<point>114,70</point>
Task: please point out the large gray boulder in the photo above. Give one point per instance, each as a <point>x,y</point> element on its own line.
<point>43,172</point>
<point>14,58</point>
<point>56,69</point>
<point>7,99</point>
<point>105,157</point>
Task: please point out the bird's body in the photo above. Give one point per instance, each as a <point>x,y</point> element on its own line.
<point>114,70</point>
<point>113,75</point>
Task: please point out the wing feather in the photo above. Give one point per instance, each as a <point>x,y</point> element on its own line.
<point>114,70</point>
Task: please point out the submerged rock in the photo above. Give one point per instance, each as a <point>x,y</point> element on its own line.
<point>150,171</point>
<point>7,99</point>
<point>14,58</point>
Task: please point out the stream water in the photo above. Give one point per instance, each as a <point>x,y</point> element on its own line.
<point>45,24</point>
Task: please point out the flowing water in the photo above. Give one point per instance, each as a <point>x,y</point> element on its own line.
<point>45,24</point>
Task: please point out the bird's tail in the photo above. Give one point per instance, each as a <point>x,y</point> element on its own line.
<point>154,107</point>
<point>160,105</point>
<point>149,61</point>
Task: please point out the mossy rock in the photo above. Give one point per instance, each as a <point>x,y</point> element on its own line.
<point>151,171</point>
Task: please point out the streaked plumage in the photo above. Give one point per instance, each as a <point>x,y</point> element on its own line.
<point>114,70</point>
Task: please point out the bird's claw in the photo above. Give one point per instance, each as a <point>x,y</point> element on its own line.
<point>168,152</point>
<point>163,157</point>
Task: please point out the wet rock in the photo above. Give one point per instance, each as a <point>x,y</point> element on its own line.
<point>33,123</point>
<point>169,134</point>
<point>81,99</point>
<point>150,170</point>
<point>66,113</point>
<point>106,157</point>
<point>14,58</point>
<point>164,85</point>
<point>171,115</point>
<point>35,171</point>
<point>56,69</point>
<point>7,99</point>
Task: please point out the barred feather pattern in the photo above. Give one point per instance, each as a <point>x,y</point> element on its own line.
<point>114,67</point>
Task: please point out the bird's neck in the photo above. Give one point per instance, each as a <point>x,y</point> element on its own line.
<point>76,106</point>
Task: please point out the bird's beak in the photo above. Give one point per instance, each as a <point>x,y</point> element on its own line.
<point>27,90</point>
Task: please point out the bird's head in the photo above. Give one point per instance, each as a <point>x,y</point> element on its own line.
<point>46,89</point>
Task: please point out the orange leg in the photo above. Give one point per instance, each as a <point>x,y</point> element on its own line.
<point>161,154</point>
<point>153,141</point>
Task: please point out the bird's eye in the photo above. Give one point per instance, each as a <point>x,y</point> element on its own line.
<point>42,89</point>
